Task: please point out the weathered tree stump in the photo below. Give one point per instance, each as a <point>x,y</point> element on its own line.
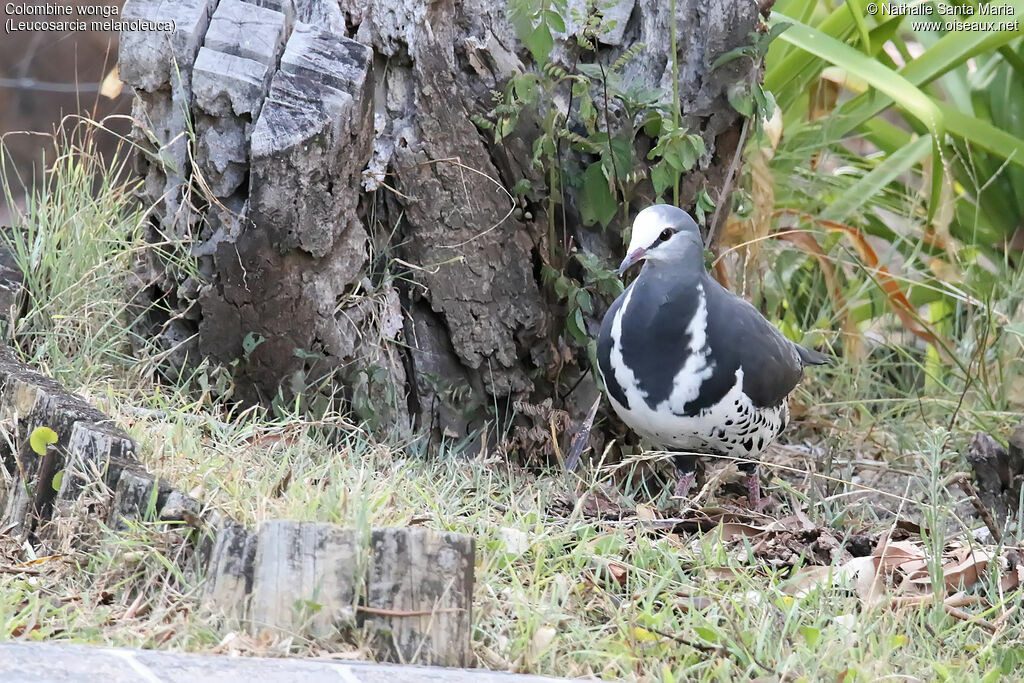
<point>346,215</point>
<point>230,568</point>
<point>138,496</point>
<point>999,474</point>
<point>28,401</point>
<point>420,595</point>
<point>304,578</point>
<point>413,586</point>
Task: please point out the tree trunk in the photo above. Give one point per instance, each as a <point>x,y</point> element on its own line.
<point>334,201</point>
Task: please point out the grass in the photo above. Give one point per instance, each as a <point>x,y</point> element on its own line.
<point>559,591</point>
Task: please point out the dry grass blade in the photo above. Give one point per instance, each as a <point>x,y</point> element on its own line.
<point>582,437</point>
<point>853,345</point>
<point>898,301</point>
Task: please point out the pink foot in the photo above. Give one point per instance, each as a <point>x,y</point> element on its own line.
<point>684,484</point>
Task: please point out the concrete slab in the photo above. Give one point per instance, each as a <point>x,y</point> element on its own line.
<point>59,663</point>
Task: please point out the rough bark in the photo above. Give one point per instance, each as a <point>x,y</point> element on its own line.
<point>347,218</point>
<point>999,475</point>
<point>419,595</point>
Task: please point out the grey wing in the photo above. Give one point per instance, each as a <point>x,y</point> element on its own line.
<point>741,337</point>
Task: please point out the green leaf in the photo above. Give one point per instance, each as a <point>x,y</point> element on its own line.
<point>810,634</point>
<point>857,11</point>
<point>1011,659</point>
<point>250,342</point>
<point>901,90</point>
<point>872,183</point>
<point>539,42</point>
<point>521,15</point>
<point>588,113</point>
<point>623,154</point>
<point>40,438</point>
<point>740,98</point>
<point>640,94</point>
<point>1015,328</point>
<point>706,633</point>
<point>521,188</point>
<point>555,21</point>
<point>984,134</point>
<point>765,102</point>
<point>506,124</point>
<point>593,71</point>
<point>563,286</point>
<point>548,274</point>
<point>663,176</point>
<point>597,204</point>
<point>58,479</point>
<point>774,32</point>
<point>680,151</point>
<point>951,51</point>
<point>584,301</point>
<point>705,202</point>
<point>527,87</point>
<point>732,55</point>
<point>793,72</point>
<point>577,328</point>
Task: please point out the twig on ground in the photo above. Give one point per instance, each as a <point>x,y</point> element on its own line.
<point>999,621</point>
<point>965,616</point>
<point>686,641</point>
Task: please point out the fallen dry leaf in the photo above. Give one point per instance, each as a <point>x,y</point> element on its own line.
<point>541,641</point>
<point>642,635</point>
<point>962,570</point>
<point>513,541</point>
<point>646,512</point>
<point>731,530</point>
<point>858,573</point>
<point>889,554</point>
<point>596,504</point>
<point>866,580</point>
<point>111,86</point>
<point>38,561</point>
<point>724,573</point>
<point>688,603</point>
<point>1012,578</point>
<point>617,572</point>
<point>807,579</point>
<point>968,568</point>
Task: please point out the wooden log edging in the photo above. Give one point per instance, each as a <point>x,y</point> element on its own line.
<point>410,588</point>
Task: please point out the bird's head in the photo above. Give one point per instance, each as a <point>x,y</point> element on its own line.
<point>663,233</point>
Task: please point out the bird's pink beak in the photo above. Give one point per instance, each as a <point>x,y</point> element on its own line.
<point>631,260</point>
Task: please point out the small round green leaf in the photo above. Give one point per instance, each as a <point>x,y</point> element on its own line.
<point>58,479</point>
<point>41,438</point>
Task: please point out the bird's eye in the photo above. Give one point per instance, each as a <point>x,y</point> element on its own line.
<point>665,235</point>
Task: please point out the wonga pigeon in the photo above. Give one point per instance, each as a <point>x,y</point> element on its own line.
<point>687,364</point>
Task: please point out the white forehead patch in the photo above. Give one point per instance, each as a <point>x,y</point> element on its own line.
<point>647,225</point>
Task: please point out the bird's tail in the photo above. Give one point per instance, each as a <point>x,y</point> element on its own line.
<point>812,357</point>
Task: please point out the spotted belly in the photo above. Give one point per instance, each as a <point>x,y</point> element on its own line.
<point>733,426</point>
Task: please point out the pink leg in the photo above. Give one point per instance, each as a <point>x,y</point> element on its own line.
<point>684,484</point>
<point>754,500</point>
